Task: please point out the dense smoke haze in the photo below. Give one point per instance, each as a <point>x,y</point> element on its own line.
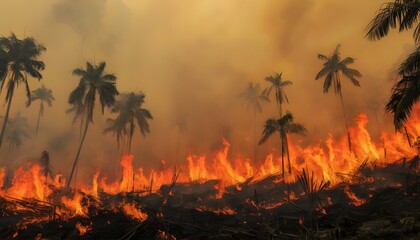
<point>192,59</point>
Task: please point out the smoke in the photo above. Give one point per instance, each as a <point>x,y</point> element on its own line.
<point>192,59</point>
<point>99,22</point>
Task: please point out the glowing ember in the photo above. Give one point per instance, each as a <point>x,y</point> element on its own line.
<point>83,229</point>
<point>225,210</point>
<point>354,200</point>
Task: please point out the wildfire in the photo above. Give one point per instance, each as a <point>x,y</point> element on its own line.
<point>325,160</point>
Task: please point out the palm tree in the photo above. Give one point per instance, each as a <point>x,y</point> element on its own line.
<point>252,97</point>
<point>277,85</point>
<point>333,66</point>
<point>93,81</point>
<point>129,109</point>
<point>401,14</point>
<point>283,126</point>
<point>17,131</point>
<point>44,95</point>
<point>405,94</point>
<point>18,59</point>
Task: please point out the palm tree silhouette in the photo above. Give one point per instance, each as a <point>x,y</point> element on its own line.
<point>277,85</point>
<point>252,96</point>
<point>129,109</point>
<point>94,82</point>
<point>333,66</point>
<point>401,15</point>
<point>42,94</point>
<point>18,130</point>
<point>283,126</point>
<point>18,59</point>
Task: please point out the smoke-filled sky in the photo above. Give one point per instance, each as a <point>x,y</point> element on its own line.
<point>192,59</point>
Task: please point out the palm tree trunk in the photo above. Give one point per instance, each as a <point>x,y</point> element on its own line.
<point>78,151</point>
<point>255,137</point>
<point>39,118</point>
<point>6,117</point>
<point>408,136</point>
<point>287,152</point>
<point>282,155</point>
<point>75,175</point>
<point>278,102</point>
<point>345,121</point>
<point>131,136</point>
<point>81,127</point>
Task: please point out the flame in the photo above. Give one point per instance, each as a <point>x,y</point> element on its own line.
<point>132,211</point>
<point>28,183</point>
<point>75,204</point>
<point>329,160</point>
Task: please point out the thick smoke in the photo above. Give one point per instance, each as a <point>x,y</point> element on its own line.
<point>192,60</point>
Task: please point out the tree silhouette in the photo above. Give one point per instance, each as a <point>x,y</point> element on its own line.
<point>18,130</point>
<point>42,94</point>
<point>277,86</point>
<point>93,83</point>
<point>18,59</point>
<point>283,126</point>
<point>252,97</point>
<point>129,109</point>
<point>333,67</point>
<point>45,164</point>
<point>401,15</point>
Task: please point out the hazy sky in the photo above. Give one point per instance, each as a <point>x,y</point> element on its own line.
<point>193,58</point>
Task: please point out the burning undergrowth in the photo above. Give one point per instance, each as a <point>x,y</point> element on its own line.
<point>331,193</point>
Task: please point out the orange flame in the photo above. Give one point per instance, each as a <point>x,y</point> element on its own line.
<point>132,211</point>
<point>75,204</point>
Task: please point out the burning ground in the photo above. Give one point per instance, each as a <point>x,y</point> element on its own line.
<point>332,193</point>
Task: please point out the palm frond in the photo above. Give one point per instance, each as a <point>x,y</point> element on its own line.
<point>402,13</point>
<point>323,57</point>
<point>411,64</point>
<point>405,94</point>
<point>270,127</point>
